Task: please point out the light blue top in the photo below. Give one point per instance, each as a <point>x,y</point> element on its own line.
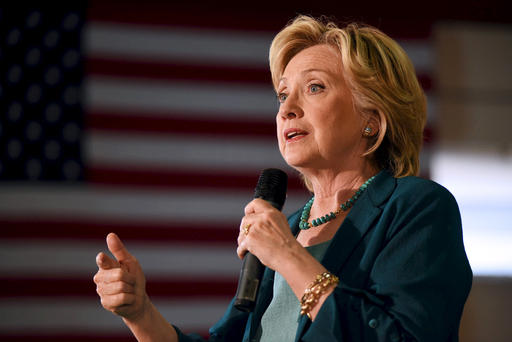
<point>280,321</point>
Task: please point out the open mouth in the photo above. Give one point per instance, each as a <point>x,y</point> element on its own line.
<point>294,133</point>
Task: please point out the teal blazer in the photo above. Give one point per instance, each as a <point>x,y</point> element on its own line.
<point>404,274</point>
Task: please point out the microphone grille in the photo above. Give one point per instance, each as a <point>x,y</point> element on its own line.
<point>272,186</point>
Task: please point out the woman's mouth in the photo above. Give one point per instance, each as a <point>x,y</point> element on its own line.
<point>293,134</point>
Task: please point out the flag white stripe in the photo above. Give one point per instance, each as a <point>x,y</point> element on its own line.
<point>78,315</point>
<point>145,98</point>
<point>232,100</point>
<point>421,53</point>
<point>142,205</point>
<point>212,46</point>
<point>72,258</point>
<point>201,152</point>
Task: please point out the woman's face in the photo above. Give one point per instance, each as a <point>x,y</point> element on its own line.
<point>317,125</point>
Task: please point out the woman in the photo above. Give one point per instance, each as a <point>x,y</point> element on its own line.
<point>377,254</point>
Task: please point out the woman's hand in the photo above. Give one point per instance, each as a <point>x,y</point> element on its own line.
<point>120,283</point>
<point>268,235</point>
<point>270,239</point>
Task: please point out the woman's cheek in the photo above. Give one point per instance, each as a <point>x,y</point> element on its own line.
<point>281,143</point>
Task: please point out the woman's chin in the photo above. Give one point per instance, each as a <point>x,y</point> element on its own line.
<point>298,161</point>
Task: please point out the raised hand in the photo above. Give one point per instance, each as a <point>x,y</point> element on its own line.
<point>120,282</point>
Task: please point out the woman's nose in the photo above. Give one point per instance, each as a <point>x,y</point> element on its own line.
<point>290,115</point>
<point>290,109</point>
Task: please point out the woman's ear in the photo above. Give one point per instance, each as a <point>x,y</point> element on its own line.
<point>374,130</point>
<point>372,126</point>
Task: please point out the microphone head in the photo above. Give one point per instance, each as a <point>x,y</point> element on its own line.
<point>272,186</point>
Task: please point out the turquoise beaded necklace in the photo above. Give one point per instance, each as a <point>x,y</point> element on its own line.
<point>304,224</point>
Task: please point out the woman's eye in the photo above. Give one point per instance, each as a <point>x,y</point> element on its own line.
<point>282,97</point>
<point>314,88</point>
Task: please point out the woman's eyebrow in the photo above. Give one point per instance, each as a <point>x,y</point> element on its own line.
<point>307,71</point>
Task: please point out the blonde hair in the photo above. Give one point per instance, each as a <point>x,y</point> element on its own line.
<point>382,81</point>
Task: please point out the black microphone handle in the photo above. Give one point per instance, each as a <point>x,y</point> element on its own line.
<point>249,283</point>
<point>272,188</point>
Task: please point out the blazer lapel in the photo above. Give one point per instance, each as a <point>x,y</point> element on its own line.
<point>360,218</point>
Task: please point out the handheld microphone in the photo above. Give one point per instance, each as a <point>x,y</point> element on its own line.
<point>271,187</point>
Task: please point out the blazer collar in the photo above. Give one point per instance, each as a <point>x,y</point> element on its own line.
<point>381,188</point>
<point>360,218</point>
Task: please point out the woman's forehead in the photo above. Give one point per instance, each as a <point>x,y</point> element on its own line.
<point>318,58</point>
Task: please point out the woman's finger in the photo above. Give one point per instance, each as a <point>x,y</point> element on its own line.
<point>105,262</point>
<point>107,289</point>
<point>257,205</point>
<point>114,275</point>
<point>245,226</point>
<point>114,302</point>
<point>241,250</point>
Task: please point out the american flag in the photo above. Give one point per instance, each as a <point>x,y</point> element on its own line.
<point>152,121</point>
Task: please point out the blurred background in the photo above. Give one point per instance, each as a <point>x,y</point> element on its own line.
<point>154,120</point>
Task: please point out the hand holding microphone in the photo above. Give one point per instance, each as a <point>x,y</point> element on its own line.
<point>262,229</point>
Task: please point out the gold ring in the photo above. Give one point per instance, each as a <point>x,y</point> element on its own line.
<point>246,228</point>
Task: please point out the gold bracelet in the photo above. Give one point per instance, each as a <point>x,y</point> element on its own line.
<point>315,290</point>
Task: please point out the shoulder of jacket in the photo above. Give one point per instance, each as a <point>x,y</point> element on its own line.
<point>412,187</point>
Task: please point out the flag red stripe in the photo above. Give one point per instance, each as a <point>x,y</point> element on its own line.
<point>106,120</point>
<point>429,136</point>
<point>159,123</point>
<point>85,228</point>
<point>178,70</point>
<point>85,287</point>
<point>397,21</point>
<point>175,71</point>
<point>232,16</point>
<point>179,179</point>
<point>426,81</point>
